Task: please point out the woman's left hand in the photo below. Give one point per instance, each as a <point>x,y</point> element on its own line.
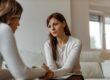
<point>49,73</point>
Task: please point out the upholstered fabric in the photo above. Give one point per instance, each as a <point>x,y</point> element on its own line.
<point>91,70</point>
<point>106,68</point>
<point>90,56</point>
<point>90,63</point>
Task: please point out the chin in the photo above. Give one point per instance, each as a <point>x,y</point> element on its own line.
<point>14,31</point>
<point>54,35</point>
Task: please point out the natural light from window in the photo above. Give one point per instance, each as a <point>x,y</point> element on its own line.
<point>95,37</point>
<point>107,32</point>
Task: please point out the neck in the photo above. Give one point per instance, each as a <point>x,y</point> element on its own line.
<point>62,40</point>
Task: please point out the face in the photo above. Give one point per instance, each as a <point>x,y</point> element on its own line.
<point>14,23</point>
<point>56,28</point>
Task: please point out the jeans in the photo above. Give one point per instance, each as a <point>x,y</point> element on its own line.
<point>73,77</point>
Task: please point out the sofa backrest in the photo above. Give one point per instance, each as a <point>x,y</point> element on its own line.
<point>91,70</point>
<point>90,56</point>
<point>90,64</point>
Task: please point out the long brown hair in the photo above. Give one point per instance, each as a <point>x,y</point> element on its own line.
<point>53,40</point>
<point>9,8</point>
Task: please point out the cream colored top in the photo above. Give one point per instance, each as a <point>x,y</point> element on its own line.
<point>67,58</point>
<point>9,52</point>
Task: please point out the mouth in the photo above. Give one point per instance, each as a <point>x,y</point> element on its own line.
<point>54,32</point>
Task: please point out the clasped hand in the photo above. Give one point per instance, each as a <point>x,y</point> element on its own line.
<point>49,74</point>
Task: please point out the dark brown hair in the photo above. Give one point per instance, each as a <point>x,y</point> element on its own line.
<point>53,40</point>
<point>9,8</point>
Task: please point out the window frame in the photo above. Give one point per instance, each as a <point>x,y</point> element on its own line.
<point>103,37</point>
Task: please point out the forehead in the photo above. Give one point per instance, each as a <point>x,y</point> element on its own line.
<point>52,20</point>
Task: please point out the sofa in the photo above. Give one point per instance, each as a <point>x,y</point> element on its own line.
<point>92,65</point>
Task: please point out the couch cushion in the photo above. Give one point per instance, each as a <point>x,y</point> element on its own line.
<point>106,68</point>
<point>91,70</point>
<point>90,56</point>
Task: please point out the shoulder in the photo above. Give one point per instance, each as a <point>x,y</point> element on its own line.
<point>6,33</point>
<point>74,41</point>
<point>4,28</point>
<point>47,43</point>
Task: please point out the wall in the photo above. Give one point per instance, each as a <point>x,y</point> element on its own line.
<point>32,32</point>
<point>80,10</point>
<point>80,24</point>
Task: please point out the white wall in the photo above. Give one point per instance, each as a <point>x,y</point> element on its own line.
<point>80,21</point>
<point>32,32</point>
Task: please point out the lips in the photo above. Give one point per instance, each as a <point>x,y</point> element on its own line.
<point>54,32</point>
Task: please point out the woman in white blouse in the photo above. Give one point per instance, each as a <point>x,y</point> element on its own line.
<point>62,51</point>
<point>10,13</point>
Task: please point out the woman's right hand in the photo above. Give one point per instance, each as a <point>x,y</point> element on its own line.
<point>49,73</point>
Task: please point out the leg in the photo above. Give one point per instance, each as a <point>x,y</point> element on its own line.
<point>75,77</point>
<point>5,74</point>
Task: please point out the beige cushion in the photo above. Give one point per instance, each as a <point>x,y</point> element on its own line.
<point>106,68</point>
<point>91,70</point>
<point>90,56</point>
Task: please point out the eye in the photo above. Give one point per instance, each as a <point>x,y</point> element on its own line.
<point>49,26</point>
<point>55,24</point>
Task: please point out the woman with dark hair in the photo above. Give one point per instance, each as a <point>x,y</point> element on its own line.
<point>10,13</point>
<point>62,51</point>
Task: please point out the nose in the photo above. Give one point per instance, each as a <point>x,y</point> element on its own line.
<point>52,28</point>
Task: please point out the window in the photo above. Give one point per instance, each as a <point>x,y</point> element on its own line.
<point>107,33</point>
<point>95,30</point>
<point>99,31</point>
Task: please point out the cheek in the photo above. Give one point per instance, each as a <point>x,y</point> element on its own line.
<point>13,24</point>
<point>60,29</point>
<point>49,30</point>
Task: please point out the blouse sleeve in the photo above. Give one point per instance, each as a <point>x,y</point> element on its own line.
<point>11,56</point>
<point>70,62</point>
<point>49,56</point>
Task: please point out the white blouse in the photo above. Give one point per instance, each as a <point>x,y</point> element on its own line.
<point>9,52</point>
<point>67,58</point>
